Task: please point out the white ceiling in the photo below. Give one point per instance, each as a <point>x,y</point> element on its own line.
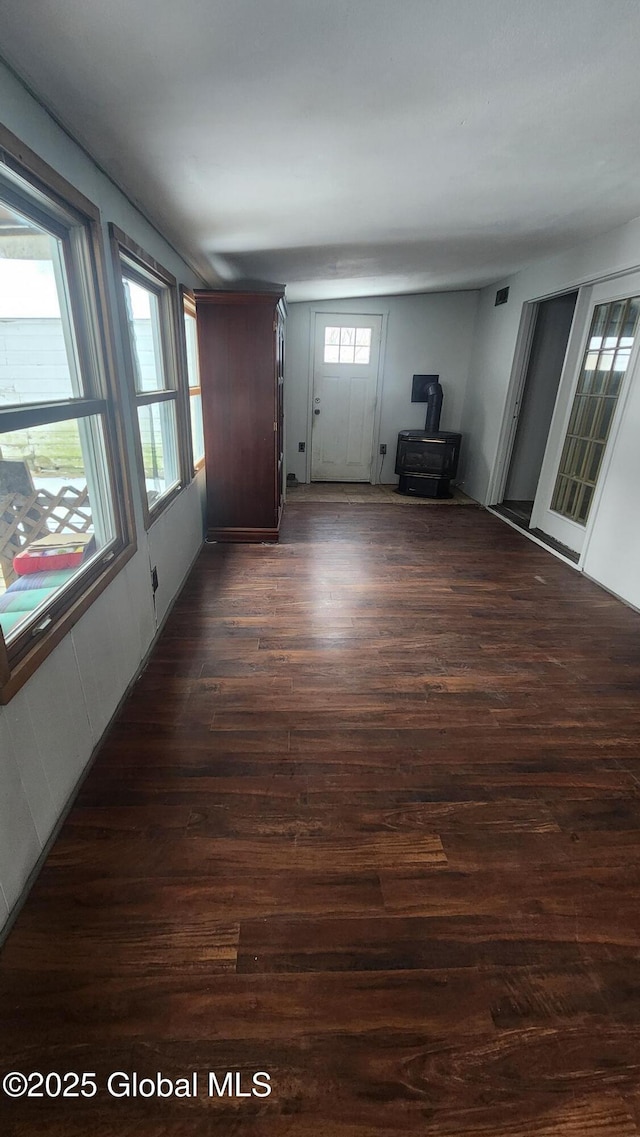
<point>350,147</point>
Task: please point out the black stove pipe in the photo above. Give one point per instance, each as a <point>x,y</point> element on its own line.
<point>434,407</point>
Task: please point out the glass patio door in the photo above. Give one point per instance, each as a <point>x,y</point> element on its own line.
<point>585,413</point>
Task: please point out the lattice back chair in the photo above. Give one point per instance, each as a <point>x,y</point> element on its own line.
<point>27,513</point>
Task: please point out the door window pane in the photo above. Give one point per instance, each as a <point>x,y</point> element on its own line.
<point>347,345</point>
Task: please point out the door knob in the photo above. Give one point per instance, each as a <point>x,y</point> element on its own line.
<point>316,412</point>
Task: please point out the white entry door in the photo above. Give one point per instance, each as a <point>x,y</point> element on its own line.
<point>587,410</point>
<point>345,378</point>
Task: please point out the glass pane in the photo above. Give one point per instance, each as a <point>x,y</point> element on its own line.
<point>346,354</point>
<point>56,513</point>
<point>590,417</point>
<point>620,365</point>
<point>559,494</point>
<point>631,318</point>
<point>583,508</point>
<point>577,414</point>
<point>159,437</point>
<point>600,318</point>
<point>572,489</point>
<point>38,355</point>
<point>347,337</point>
<point>193,370</point>
<point>614,324</point>
<point>363,337</point>
<point>143,311</point>
<point>576,466</point>
<point>362,354</point>
<point>332,335</point>
<point>601,378</point>
<point>197,432</point>
<point>331,354</point>
<point>604,421</point>
<point>595,458</point>
<point>588,377</point>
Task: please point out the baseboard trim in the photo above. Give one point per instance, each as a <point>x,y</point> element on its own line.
<point>239,535</point>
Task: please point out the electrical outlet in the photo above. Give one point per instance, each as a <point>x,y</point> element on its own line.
<point>383,448</point>
<point>154,578</point>
<point>302,446</point>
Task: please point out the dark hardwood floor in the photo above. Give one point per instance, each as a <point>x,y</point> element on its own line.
<point>369,822</point>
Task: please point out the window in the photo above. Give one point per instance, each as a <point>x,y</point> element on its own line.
<point>347,345</point>
<point>193,374</point>
<point>64,530</point>
<point>149,308</point>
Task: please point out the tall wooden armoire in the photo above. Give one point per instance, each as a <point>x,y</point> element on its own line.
<point>241,353</point>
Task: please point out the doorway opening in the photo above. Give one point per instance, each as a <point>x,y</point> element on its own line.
<point>534,411</point>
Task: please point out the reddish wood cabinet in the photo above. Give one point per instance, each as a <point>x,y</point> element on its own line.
<point>241,352</point>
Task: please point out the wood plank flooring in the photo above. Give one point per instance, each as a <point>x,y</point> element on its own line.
<point>369,822</point>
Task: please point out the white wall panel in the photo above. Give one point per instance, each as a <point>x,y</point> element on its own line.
<point>34,776</point>
<point>173,541</point>
<point>20,846</point>
<point>60,720</point>
<point>108,648</point>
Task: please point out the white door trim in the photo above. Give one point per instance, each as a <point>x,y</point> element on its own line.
<point>513,401</point>
<point>326,310</point>
<point>515,390</point>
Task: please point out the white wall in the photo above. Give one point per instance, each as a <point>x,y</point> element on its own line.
<point>612,555</point>
<point>50,728</point>
<point>423,334</point>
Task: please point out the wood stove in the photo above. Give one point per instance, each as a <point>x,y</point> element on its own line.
<point>427,460</point>
<point>426,463</point>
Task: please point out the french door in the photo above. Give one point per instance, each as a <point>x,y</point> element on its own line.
<point>587,408</point>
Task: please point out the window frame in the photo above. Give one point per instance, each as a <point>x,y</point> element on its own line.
<point>130,259</point>
<point>33,187</point>
<point>189,308</point>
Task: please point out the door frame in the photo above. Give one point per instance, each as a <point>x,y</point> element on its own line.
<point>498,477</point>
<point>517,383</point>
<point>377,418</point>
<point>558,431</point>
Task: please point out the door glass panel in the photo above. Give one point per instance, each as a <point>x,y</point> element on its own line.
<point>347,345</point>
<point>605,362</point>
